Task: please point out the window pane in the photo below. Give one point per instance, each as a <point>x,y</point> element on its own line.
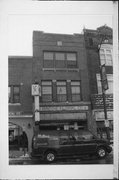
<point>61,90</point>
<point>71,56</point>
<point>99,87</point>
<point>75,83</point>
<point>59,56</point>
<point>61,83</point>
<point>16,94</point>
<point>76,97</point>
<point>48,55</point>
<point>46,83</point>
<point>16,90</point>
<point>46,90</point>
<point>75,90</point>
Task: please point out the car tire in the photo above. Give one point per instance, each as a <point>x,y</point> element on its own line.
<point>101,152</point>
<point>50,156</point>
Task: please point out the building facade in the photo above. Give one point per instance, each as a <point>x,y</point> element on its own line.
<point>60,67</point>
<point>94,39</point>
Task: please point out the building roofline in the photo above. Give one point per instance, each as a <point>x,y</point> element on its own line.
<point>62,34</point>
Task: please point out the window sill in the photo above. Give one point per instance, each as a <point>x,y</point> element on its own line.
<point>14,104</point>
<point>61,69</point>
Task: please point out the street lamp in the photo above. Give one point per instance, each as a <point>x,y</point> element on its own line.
<point>104,84</point>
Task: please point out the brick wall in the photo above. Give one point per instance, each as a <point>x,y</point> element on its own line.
<point>20,73</point>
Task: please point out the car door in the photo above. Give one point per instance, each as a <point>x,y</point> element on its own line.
<point>83,143</point>
<point>65,145</point>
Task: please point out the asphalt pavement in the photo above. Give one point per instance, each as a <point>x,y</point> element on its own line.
<point>26,160</point>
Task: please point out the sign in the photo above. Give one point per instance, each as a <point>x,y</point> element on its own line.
<point>63,108</point>
<point>36,90</point>
<point>104,77</point>
<point>97,101</point>
<point>100,115</point>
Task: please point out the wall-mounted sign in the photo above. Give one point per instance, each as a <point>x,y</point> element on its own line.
<point>63,108</point>
<point>100,115</point>
<point>97,101</point>
<point>36,90</point>
<point>104,77</point>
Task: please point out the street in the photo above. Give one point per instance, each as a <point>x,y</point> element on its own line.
<point>69,161</point>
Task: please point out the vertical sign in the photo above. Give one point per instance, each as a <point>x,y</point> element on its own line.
<point>104,77</point>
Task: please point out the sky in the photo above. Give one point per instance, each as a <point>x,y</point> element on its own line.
<point>67,17</point>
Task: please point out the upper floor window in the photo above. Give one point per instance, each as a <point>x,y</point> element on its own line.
<point>46,91</point>
<point>106,56</point>
<point>75,91</point>
<point>48,55</point>
<point>60,56</point>
<point>110,84</point>
<point>14,94</point>
<point>61,91</point>
<point>60,59</point>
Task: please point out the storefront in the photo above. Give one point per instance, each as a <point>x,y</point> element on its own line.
<point>98,112</point>
<point>65,117</point>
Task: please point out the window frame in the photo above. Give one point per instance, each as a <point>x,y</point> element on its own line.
<point>60,86</point>
<point>74,86</point>
<point>12,100</point>
<point>103,52</point>
<point>47,85</point>
<point>109,78</point>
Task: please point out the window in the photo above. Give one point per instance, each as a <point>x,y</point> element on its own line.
<point>61,91</point>
<point>46,91</point>
<point>59,56</point>
<point>106,56</point>
<point>71,60</point>
<point>110,84</point>
<point>9,94</point>
<point>14,94</point>
<point>48,55</point>
<point>75,91</point>
<point>60,59</point>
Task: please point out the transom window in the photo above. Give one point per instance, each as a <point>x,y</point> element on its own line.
<point>14,94</point>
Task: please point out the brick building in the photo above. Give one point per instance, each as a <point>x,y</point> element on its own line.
<point>92,40</point>
<point>59,65</point>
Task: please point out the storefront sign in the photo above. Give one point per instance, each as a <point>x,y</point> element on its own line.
<point>100,115</point>
<point>36,90</point>
<point>63,108</point>
<point>97,101</point>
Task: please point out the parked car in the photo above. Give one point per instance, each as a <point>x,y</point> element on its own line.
<point>50,145</point>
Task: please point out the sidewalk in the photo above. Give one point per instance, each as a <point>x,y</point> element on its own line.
<point>18,155</point>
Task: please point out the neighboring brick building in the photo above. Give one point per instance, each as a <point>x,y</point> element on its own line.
<point>59,65</point>
<point>92,40</point>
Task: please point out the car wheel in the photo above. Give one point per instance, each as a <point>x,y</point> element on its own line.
<point>50,156</point>
<point>101,152</point>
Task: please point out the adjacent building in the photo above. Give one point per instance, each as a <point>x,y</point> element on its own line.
<point>102,37</point>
